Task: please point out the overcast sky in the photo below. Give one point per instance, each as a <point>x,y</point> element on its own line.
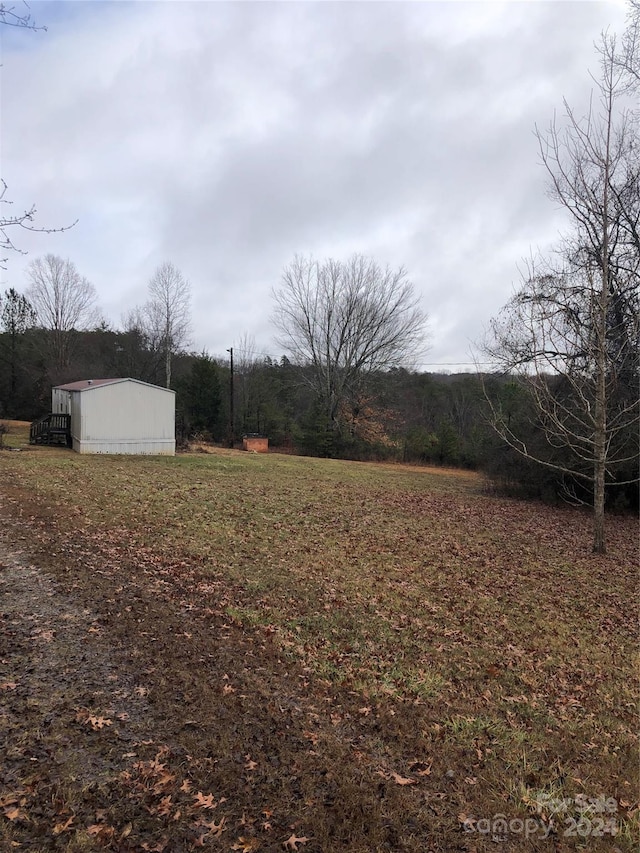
<point>227,137</point>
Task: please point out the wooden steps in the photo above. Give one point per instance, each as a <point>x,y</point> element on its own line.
<point>51,429</point>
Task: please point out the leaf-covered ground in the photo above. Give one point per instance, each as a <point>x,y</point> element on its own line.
<point>246,652</point>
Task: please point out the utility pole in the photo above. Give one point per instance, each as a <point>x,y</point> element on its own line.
<point>231,412</point>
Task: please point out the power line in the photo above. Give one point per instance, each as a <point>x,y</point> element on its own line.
<point>454,363</point>
<point>253,352</point>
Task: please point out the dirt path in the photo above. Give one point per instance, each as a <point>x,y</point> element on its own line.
<point>63,701</point>
<point>54,652</point>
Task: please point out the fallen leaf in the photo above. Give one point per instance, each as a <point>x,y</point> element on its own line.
<point>13,797</point>
<point>14,814</point>
<point>98,722</point>
<point>246,845</point>
<point>204,801</point>
<point>402,780</point>
<point>102,829</point>
<point>162,781</point>
<point>165,806</point>
<point>87,718</point>
<point>292,842</point>
<point>397,778</point>
<point>59,828</point>
<point>213,828</point>
<point>47,636</point>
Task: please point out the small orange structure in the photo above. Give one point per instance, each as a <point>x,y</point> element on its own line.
<point>255,443</point>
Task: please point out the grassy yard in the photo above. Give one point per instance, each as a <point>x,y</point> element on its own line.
<point>443,656</point>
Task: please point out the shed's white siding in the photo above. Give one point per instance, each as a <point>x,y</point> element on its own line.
<point>76,419</point>
<point>122,416</point>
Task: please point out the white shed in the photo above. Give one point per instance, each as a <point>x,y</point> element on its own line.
<point>118,416</point>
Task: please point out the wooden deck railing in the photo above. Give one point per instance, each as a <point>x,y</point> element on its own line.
<point>51,429</point>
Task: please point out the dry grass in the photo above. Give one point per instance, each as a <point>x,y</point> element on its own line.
<point>440,655</point>
<point>16,435</point>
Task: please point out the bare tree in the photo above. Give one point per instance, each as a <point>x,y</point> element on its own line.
<point>20,16</point>
<point>628,58</point>
<point>251,390</point>
<point>572,330</point>
<point>168,312</point>
<point>343,320</point>
<point>64,302</point>
<point>23,219</point>
<point>245,350</point>
<point>140,354</point>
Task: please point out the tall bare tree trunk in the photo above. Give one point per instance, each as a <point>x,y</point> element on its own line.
<point>600,426</point>
<point>167,314</point>
<point>600,415</point>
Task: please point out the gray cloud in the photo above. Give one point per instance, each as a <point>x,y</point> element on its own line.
<point>227,137</point>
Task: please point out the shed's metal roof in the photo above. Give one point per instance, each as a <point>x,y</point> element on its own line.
<point>87,384</point>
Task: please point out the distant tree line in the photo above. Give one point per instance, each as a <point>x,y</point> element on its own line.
<point>398,414</point>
